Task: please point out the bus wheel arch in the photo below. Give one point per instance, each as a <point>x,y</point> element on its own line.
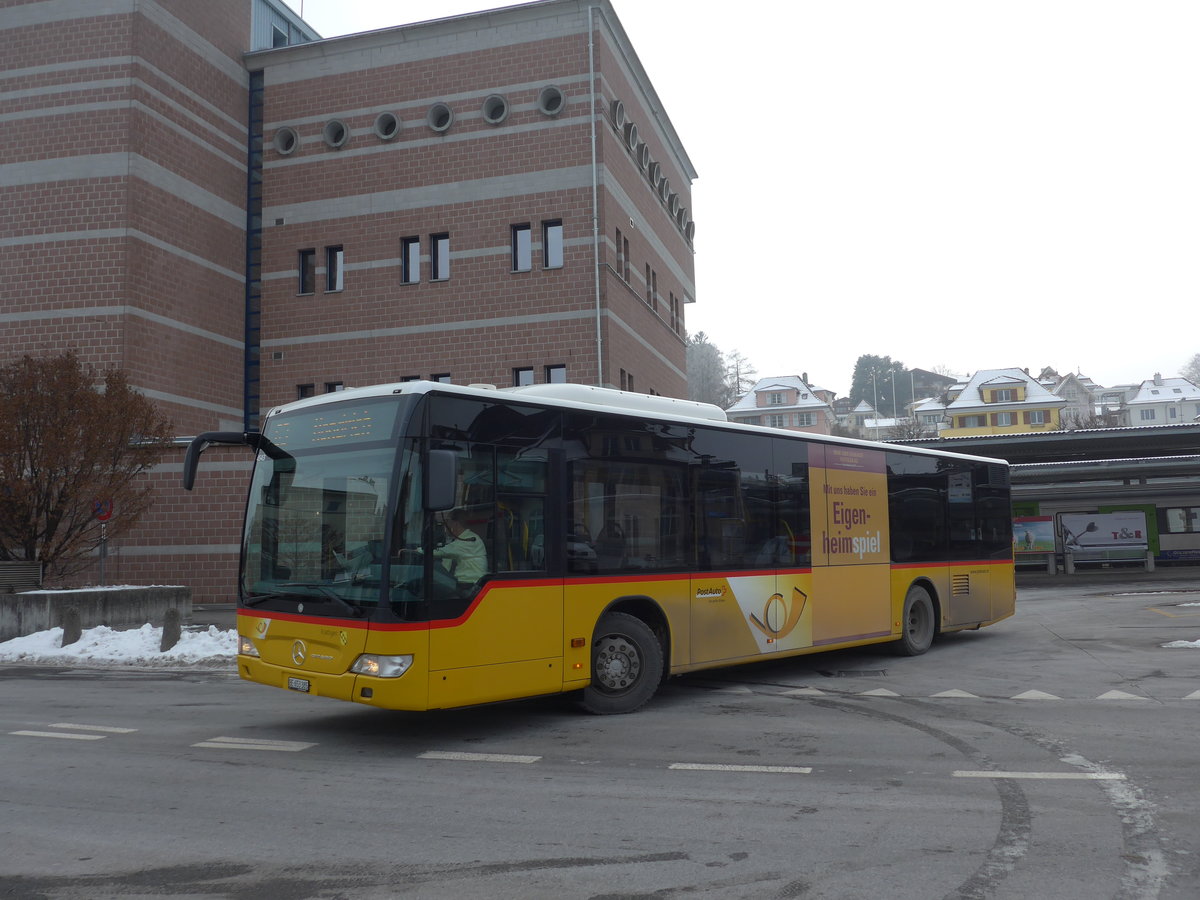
<point>919,619</point>
<point>629,657</point>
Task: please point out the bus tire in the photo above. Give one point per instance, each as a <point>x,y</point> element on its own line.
<point>918,624</point>
<point>627,665</point>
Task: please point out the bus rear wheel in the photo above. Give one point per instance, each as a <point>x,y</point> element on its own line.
<point>627,665</point>
<point>918,624</point>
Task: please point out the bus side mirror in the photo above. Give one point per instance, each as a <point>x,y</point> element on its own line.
<point>441,479</point>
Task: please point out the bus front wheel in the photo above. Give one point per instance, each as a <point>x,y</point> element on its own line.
<point>918,624</point>
<point>627,665</point>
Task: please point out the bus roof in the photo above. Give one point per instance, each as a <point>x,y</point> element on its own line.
<point>575,396</point>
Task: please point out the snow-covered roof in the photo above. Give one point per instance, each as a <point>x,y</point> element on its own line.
<point>1165,390</point>
<point>972,396</point>
<point>929,404</point>
<point>749,401</point>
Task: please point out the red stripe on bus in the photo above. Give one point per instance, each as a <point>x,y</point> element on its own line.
<point>956,562</point>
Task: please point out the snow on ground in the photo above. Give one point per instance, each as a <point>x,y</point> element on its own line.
<point>103,646</point>
<point>210,647</point>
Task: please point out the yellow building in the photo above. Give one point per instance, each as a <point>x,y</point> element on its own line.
<point>1001,401</point>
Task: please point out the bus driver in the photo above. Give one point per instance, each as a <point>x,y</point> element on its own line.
<point>464,555</point>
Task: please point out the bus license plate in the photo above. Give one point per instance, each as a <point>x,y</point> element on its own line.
<point>298,684</point>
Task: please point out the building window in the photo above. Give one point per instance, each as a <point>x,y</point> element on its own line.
<point>620,254</point>
<point>626,380</point>
<point>1037,417</point>
<point>409,378</point>
<point>443,378</point>
<point>522,377</point>
<point>674,313</point>
<point>1004,418</point>
<point>522,248</point>
<point>804,420</point>
<point>775,399</point>
<point>332,387</point>
<point>439,257</point>
<point>410,260</point>
<point>653,289</point>
<point>308,271</point>
<point>334,257</point>
<point>552,244</point>
<point>1148,415</point>
<point>776,420</point>
<point>972,421</point>
<point>1004,395</point>
<point>556,374</point>
<point>625,265</point>
<point>1172,413</point>
<point>648,301</point>
<point>305,390</point>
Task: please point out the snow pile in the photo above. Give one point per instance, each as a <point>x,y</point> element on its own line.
<point>104,646</point>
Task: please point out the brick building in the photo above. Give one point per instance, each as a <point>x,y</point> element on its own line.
<point>238,214</point>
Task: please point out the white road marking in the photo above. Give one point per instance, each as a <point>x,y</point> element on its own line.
<point>1048,776</point>
<point>230,743</point>
<point>955,692</point>
<point>108,729</point>
<point>1036,695</point>
<point>61,734</point>
<point>726,767</point>
<point>478,757</point>
<point>815,692</point>
<point>1120,695</point>
<point>1194,695</point>
<point>879,692</point>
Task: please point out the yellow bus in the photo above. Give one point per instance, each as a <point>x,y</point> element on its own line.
<point>424,546</point>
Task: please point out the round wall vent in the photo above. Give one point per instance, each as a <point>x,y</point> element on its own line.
<point>631,136</point>
<point>551,100</point>
<point>495,109</point>
<point>440,117</point>
<point>673,203</point>
<point>643,155</point>
<point>286,140</point>
<point>616,112</point>
<point>653,173</point>
<point>335,133</point>
<point>664,190</point>
<point>681,217</point>
<point>387,126</point>
<point>689,231</point>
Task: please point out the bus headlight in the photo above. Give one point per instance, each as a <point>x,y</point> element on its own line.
<point>382,666</point>
<point>246,646</point>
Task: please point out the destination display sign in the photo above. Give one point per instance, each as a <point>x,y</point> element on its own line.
<point>328,426</point>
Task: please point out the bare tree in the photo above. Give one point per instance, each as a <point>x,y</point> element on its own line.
<point>69,438</point>
<point>1191,370</point>
<point>910,429</point>
<point>1076,421</point>
<point>739,373</point>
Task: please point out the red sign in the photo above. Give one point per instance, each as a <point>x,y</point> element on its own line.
<point>102,510</point>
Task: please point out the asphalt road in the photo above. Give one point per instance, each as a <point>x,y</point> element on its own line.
<point>1052,756</point>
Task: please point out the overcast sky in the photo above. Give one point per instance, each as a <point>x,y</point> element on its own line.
<point>952,183</point>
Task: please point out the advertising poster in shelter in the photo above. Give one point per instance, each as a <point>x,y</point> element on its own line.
<point>1125,530</point>
<point>1033,534</point>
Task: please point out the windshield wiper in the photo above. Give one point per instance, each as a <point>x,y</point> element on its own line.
<point>353,609</point>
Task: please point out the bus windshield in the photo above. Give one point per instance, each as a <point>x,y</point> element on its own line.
<point>318,507</point>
